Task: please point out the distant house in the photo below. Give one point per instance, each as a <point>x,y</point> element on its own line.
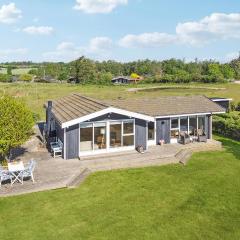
<point>121,80</point>
<point>125,80</point>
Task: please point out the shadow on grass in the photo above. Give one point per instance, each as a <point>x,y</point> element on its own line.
<point>230,145</point>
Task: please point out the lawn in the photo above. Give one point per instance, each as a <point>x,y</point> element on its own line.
<point>35,95</point>
<point>17,71</point>
<point>197,201</point>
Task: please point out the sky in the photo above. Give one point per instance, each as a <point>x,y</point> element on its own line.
<point>122,30</point>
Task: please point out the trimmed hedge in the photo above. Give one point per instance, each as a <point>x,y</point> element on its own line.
<point>227,125</point>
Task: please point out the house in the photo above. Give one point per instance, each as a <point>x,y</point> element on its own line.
<point>126,80</point>
<point>87,126</point>
<point>121,80</point>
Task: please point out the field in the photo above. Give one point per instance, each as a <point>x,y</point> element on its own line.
<point>17,71</point>
<point>198,201</point>
<point>36,94</point>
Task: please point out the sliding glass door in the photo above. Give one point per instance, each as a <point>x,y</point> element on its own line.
<point>104,136</point>
<point>115,134</point>
<point>121,133</point>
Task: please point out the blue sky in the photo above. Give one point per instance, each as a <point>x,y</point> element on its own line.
<point>123,30</point>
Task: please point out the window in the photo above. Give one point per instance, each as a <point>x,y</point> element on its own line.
<point>99,136</point>
<point>201,122</point>
<point>128,127</point>
<point>184,124</point>
<point>128,140</point>
<point>121,133</point>
<point>174,128</point>
<point>192,125</point>
<point>115,134</point>
<point>174,123</point>
<point>86,137</point>
<point>151,131</point>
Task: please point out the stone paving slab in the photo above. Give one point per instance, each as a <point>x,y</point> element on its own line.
<point>57,173</point>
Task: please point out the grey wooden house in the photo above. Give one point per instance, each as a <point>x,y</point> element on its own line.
<point>87,126</point>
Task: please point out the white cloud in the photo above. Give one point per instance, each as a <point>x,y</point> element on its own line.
<point>9,13</point>
<point>41,30</point>
<point>217,26</point>
<point>13,54</point>
<point>98,6</point>
<point>100,44</point>
<point>232,55</point>
<point>147,40</point>
<point>98,48</point>
<point>65,51</point>
<point>210,28</point>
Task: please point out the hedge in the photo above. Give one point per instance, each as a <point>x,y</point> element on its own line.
<point>227,125</point>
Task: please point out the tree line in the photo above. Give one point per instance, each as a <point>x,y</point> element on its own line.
<point>87,71</point>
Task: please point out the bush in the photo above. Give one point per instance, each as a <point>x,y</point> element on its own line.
<point>16,124</point>
<point>25,77</point>
<point>227,125</point>
<point>5,77</point>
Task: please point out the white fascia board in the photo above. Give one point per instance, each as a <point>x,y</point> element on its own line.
<point>106,111</point>
<point>221,99</point>
<point>192,114</point>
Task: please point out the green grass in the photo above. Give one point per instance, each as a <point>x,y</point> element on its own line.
<point>35,95</point>
<point>17,71</point>
<point>197,201</point>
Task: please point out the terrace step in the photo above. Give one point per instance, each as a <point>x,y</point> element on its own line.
<point>183,156</point>
<point>78,179</point>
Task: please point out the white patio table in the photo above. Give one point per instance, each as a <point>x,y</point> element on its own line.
<point>15,168</point>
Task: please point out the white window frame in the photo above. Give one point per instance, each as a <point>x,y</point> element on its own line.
<point>108,148</point>
<point>173,140</point>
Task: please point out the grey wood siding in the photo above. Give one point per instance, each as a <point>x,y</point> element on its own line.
<point>207,126</point>
<point>140,133</point>
<point>163,130</point>
<point>59,131</point>
<point>72,142</point>
<point>224,103</point>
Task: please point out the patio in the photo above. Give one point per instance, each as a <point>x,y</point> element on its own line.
<point>57,173</point>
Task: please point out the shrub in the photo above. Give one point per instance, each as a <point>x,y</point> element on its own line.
<point>227,125</point>
<point>25,77</point>
<point>16,124</point>
<point>5,77</point>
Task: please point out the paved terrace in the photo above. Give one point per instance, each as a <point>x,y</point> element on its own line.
<point>57,173</point>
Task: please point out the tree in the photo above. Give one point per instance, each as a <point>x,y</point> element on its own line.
<point>214,72</point>
<point>9,70</point>
<point>4,77</point>
<point>84,70</point>
<point>16,124</point>
<point>26,77</point>
<point>227,71</point>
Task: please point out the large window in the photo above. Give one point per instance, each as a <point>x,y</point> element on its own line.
<point>151,131</point>
<point>192,125</point>
<point>174,128</point>
<point>115,134</point>
<point>99,136</point>
<point>86,137</point>
<point>121,133</point>
<point>128,133</point>
<point>184,124</point>
<point>201,123</point>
